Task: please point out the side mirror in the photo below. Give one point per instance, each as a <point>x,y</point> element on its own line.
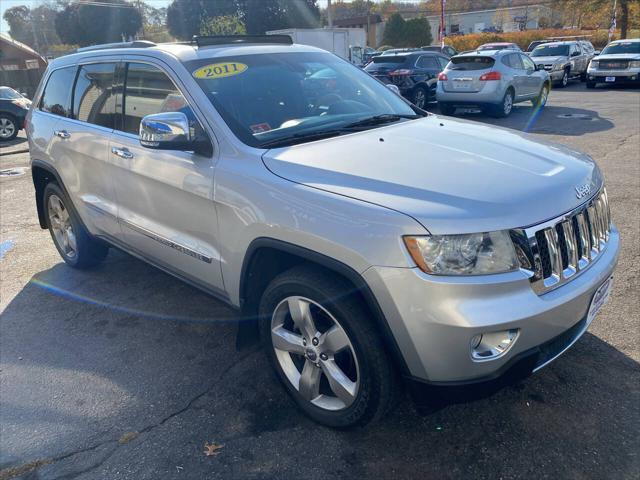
<point>171,131</point>
<point>539,66</point>
<point>575,54</point>
<point>393,88</point>
<point>596,52</point>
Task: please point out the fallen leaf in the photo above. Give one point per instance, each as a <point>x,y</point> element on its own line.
<point>127,437</point>
<point>212,449</point>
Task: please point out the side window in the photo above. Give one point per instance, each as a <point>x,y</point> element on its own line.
<point>56,98</point>
<point>527,62</point>
<point>427,62</point>
<point>149,90</point>
<point>94,98</point>
<point>443,62</point>
<point>513,61</point>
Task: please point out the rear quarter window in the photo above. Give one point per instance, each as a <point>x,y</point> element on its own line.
<point>56,98</point>
<point>471,63</point>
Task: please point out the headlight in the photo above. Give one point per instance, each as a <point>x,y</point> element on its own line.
<point>470,254</point>
<point>594,63</point>
<point>557,66</point>
<point>634,64</point>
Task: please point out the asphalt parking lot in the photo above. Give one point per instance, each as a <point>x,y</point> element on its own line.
<point>124,372</point>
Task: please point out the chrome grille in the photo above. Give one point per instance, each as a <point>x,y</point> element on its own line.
<point>613,64</point>
<point>556,251</point>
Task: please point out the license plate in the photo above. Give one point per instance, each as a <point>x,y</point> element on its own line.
<point>462,84</point>
<point>599,299</point>
<point>609,79</point>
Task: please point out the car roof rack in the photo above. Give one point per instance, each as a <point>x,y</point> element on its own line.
<point>210,40</point>
<point>107,46</point>
<point>568,37</point>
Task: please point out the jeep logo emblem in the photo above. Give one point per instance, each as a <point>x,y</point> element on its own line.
<point>583,190</point>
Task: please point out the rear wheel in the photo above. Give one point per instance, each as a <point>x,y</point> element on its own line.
<point>591,84</point>
<point>583,77</point>
<point>505,108</point>
<point>420,97</point>
<point>325,350</point>
<point>73,242</point>
<point>446,109</point>
<point>8,127</point>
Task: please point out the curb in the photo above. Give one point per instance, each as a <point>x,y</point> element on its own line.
<point>13,152</point>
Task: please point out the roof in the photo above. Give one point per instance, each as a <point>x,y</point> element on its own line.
<point>4,38</point>
<point>627,40</point>
<point>497,43</point>
<point>486,53</point>
<point>362,20</point>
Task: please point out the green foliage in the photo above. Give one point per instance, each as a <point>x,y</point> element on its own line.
<point>33,26</point>
<point>185,17</point>
<point>394,30</point>
<point>411,33</point>
<point>90,24</point>
<point>223,25</point>
<point>417,32</point>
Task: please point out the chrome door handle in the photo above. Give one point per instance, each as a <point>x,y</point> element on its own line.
<point>122,152</point>
<point>62,133</point>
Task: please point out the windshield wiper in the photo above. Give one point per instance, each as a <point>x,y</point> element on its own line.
<point>381,119</point>
<point>303,137</point>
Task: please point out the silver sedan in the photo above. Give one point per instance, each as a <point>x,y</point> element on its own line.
<point>492,80</point>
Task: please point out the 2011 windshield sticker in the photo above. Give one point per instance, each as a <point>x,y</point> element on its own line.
<point>220,70</point>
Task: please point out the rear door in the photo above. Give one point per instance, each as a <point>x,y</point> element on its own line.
<point>383,65</point>
<point>165,197</point>
<point>533,78</point>
<point>516,71</point>
<point>426,71</point>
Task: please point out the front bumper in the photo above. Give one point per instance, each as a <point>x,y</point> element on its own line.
<point>433,319</point>
<point>627,76</point>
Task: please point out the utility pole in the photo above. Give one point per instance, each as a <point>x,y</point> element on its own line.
<point>329,18</point>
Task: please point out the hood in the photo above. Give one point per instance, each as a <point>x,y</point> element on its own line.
<point>451,176</point>
<point>560,58</point>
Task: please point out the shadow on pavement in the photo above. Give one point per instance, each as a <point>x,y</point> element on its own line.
<point>88,356</point>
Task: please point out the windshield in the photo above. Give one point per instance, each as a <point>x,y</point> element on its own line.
<point>268,98</point>
<point>551,51</point>
<point>623,47</point>
<point>7,93</point>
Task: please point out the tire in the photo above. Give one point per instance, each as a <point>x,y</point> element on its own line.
<point>541,100</point>
<point>74,244</point>
<point>591,84</point>
<point>446,109</point>
<point>8,127</point>
<point>564,81</point>
<point>368,386</point>
<point>505,107</point>
<point>420,97</point>
<point>583,77</point>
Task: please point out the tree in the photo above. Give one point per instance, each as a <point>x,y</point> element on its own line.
<point>184,17</point>
<point>417,32</point>
<point>89,24</point>
<point>18,18</point>
<point>34,27</point>
<point>223,25</point>
<point>394,30</point>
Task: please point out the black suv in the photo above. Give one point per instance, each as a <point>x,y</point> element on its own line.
<point>414,73</point>
<point>13,110</point>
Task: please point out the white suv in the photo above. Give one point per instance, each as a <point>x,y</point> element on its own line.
<point>366,240</point>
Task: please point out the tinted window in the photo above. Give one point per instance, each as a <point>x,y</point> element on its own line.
<point>56,98</point>
<point>470,63</point>
<point>443,62</point>
<point>94,99</point>
<point>148,90</point>
<point>428,62</point>
<point>513,61</point>
<point>389,59</point>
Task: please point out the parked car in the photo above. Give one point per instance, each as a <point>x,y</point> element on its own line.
<point>414,73</point>
<point>619,63</point>
<point>397,51</point>
<point>492,80</point>
<point>366,241</point>
<point>563,60</point>
<point>446,50</point>
<point>535,43</point>
<point>13,110</point>
<point>498,46</point>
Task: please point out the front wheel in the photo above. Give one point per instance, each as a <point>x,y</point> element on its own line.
<point>74,244</point>
<point>8,127</point>
<point>564,81</point>
<point>324,348</point>
<point>542,98</point>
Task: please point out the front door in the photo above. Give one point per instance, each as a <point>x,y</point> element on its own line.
<point>165,197</point>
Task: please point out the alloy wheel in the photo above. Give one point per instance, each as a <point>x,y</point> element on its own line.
<point>315,353</point>
<point>61,226</point>
<point>7,128</point>
<point>565,78</point>
<point>507,104</point>
<point>544,95</point>
<point>419,98</point>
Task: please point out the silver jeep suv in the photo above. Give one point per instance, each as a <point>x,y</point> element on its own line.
<point>363,239</point>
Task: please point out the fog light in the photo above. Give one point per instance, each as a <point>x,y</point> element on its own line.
<point>490,346</point>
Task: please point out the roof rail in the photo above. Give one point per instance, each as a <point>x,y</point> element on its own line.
<point>205,41</point>
<point>107,46</point>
